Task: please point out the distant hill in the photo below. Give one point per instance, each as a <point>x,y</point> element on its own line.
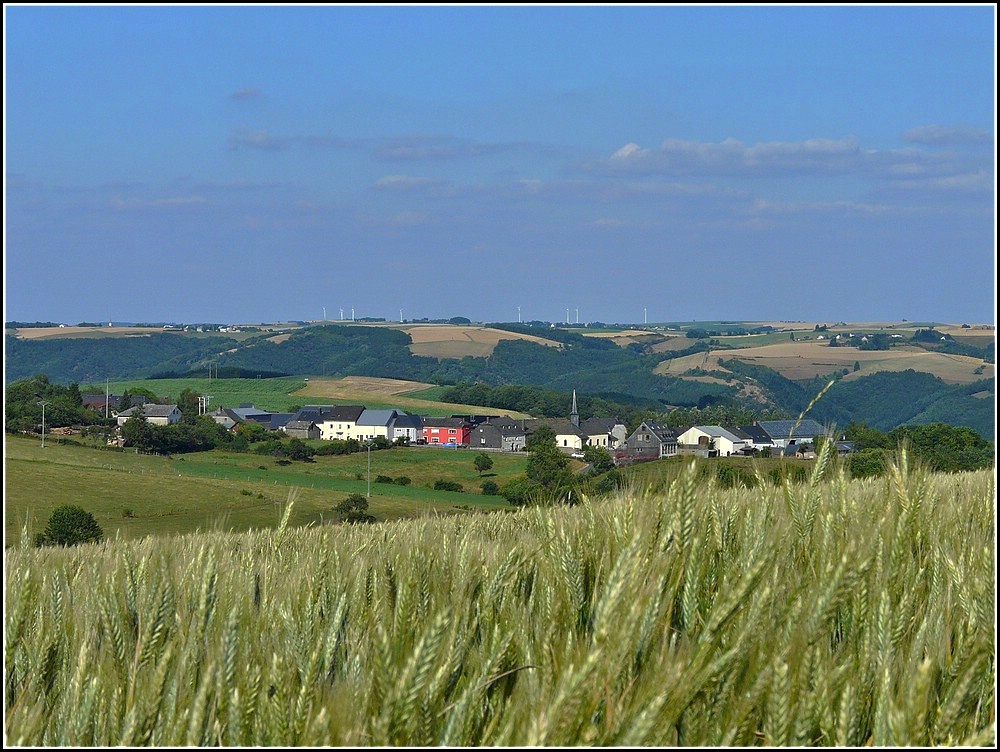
<point>565,361</point>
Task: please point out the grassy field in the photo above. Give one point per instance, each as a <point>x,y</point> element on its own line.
<point>833,613</point>
<point>135,495</point>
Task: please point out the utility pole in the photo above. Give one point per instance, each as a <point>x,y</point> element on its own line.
<point>43,403</point>
<point>369,445</point>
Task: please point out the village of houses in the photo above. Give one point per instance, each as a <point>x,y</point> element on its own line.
<point>650,441</point>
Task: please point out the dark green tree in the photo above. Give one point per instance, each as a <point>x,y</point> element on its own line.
<point>489,488</point>
<point>354,509</point>
<point>483,462</point>
<point>69,526</point>
<point>138,432</point>
<point>187,402</point>
<point>599,458</point>
<point>546,464</point>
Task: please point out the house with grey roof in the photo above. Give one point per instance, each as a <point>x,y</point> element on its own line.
<point>157,415</point>
<point>786,433</point>
<point>755,436</point>
<point>372,423</point>
<point>710,441</point>
<point>503,434</point>
<point>606,433</point>
<point>302,429</point>
<point>334,421</point>
<point>408,427</point>
<point>650,441</point>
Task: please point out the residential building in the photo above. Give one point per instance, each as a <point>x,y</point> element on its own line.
<point>650,441</point>
<point>710,441</point>
<point>302,429</point>
<point>156,415</point>
<point>333,421</point>
<point>372,423</point>
<point>446,431</point>
<point>788,433</point>
<point>503,433</point>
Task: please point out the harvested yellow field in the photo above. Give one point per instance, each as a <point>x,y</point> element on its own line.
<point>805,360</point>
<point>377,392</point>
<point>674,343</point>
<point>450,341</point>
<point>626,338</point>
<point>84,332</point>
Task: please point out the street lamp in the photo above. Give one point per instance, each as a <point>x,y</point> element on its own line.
<point>43,403</point>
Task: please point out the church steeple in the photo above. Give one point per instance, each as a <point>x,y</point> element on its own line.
<point>574,416</point>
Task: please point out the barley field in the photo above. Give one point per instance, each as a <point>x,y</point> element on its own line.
<point>829,613</point>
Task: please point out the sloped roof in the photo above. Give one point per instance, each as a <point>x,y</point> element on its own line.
<point>662,431</point>
<point>431,422</point>
<point>782,429</point>
<point>718,432</point>
<point>377,417</point>
<point>592,426</point>
<point>755,433</point>
<point>150,410</point>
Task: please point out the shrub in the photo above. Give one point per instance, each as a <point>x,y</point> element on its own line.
<point>447,485</point>
<point>354,509</point>
<point>402,480</point>
<point>383,479</point>
<point>68,526</point>
<point>489,488</point>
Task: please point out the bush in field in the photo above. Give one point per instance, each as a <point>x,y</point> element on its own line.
<point>729,476</point>
<point>447,485</point>
<point>483,462</point>
<point>69,526</point>
<point>354,509</point>
<point>383,479</point>
<point>489,488</point>
<point>402,480</point>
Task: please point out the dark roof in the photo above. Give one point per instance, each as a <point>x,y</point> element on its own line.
<point>662,431</point>
<point>321,413</point>
<point>782,429</point>
<point>408,421</point>
<point>561,426</point>
<point>755,433</point>
<point>278,420</point>
<point>599,425</point>
<point>430,422</point>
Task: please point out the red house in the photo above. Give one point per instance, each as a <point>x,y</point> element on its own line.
<point>446,431</point>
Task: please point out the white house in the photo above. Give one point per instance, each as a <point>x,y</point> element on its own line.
<point>157,415</point>
<point>713,437</point>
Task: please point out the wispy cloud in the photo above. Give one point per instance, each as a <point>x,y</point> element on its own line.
<point>242,95</point>
<point>810,158</point>
<point>941,135</point>
<point>260,140</point>
<point>124,204</point>
<point>435,148</point>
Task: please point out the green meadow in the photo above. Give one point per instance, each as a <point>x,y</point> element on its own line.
<point>134,495</point>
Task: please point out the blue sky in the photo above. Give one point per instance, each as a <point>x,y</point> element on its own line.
<point>257,164</point>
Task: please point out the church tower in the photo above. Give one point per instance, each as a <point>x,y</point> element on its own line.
<point>574,416</point>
